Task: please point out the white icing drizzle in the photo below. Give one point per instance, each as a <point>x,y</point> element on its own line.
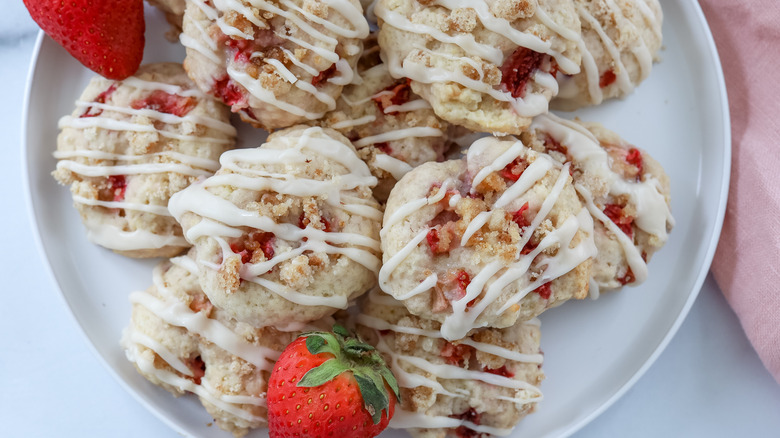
<point>413,105</point>
<point>638,49</point>
<point>369,12</point>
<point>410,207</point>
<point>148,208</point>
<point>187,263</point>
<point>399,134</point>
<point>267,96</point>
<point>302,65</point>
<point>324,32</point>
<point>523,392</point>
<point>652,212</point>
<point>380,324</point>
<point>143,84</point>
<point>404,419</point>
<point>394,166</point>
<point>113,237</point>
<point>529,106</point>
<point>122,125</point>
<point>221,219</point>
<point>100,170</point>
<point>173,311</point>
<point>349,123</point>
<point>345,74</point>
<point>100,164</point>
<point>633,256</point>
<point>194,162</point>
<point>496,276</point>
<point>165,354</point>
<point>207,393</point>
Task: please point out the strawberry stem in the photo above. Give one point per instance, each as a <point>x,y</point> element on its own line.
<point>350,354</point>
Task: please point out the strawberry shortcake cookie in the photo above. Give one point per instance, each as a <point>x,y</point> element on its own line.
<point>287,232</point>
<point>486,241</point>
<point>173,10</point>
<point>393,129</point>
<point>274,63</point>
<point>489,66</point>
<point>129,145</point>
<point>178,340</point>
<point>620,41</point>
<point>625,190</point>
<point>481,385</point>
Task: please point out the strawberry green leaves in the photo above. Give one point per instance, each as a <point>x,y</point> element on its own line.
<point>351,355</point>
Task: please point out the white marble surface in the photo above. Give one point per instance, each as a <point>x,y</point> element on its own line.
<point>708,383</point>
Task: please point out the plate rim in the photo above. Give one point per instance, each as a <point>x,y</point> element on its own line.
<point>713,239</point>
<point>30,209</point>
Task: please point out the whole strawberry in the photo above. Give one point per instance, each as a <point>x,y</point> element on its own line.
<point>107,36</point>
<point>330,385</point>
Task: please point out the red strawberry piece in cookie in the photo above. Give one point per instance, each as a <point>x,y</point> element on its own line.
<point>456,354</point>
<point>627,278</point>
<point>617,215</point>
<point>519,217</point>
<point>634,158</point>
<point>260,241</point>
<point>106,36</point>
<point>166,103</point>
<point>324,75</point>
<point>451,287</point>
<point>117,185</point>
<point>198,368</point>
<point>607,79</point>
<point>473,417</point>
<point>517,70</point>
<point>397,94</point>
<point>544,291</point>
<point>101,98</point>
<point>502,371</point>
<point>514,170</point>
<point>227,91</point>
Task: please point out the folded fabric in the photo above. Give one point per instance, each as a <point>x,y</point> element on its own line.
<point>747,262</point>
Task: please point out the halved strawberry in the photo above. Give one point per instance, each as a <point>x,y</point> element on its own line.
<point>106,36</point>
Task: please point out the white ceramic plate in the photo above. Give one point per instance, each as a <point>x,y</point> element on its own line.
<point>594,350</point>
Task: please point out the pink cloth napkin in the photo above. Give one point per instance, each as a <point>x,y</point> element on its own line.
<point>747,262</point>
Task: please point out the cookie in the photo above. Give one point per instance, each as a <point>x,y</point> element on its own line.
<point>174,13</point>
<point>620,41</point>
<point>178,340</point>
<point>276,64</point>
<point>129,145</point>
<point>287,232</point>
<point>488,66</point>
<point>482,384</point>
<point>393,129</point>
<point>624,188</point>
<point>486,241</point>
